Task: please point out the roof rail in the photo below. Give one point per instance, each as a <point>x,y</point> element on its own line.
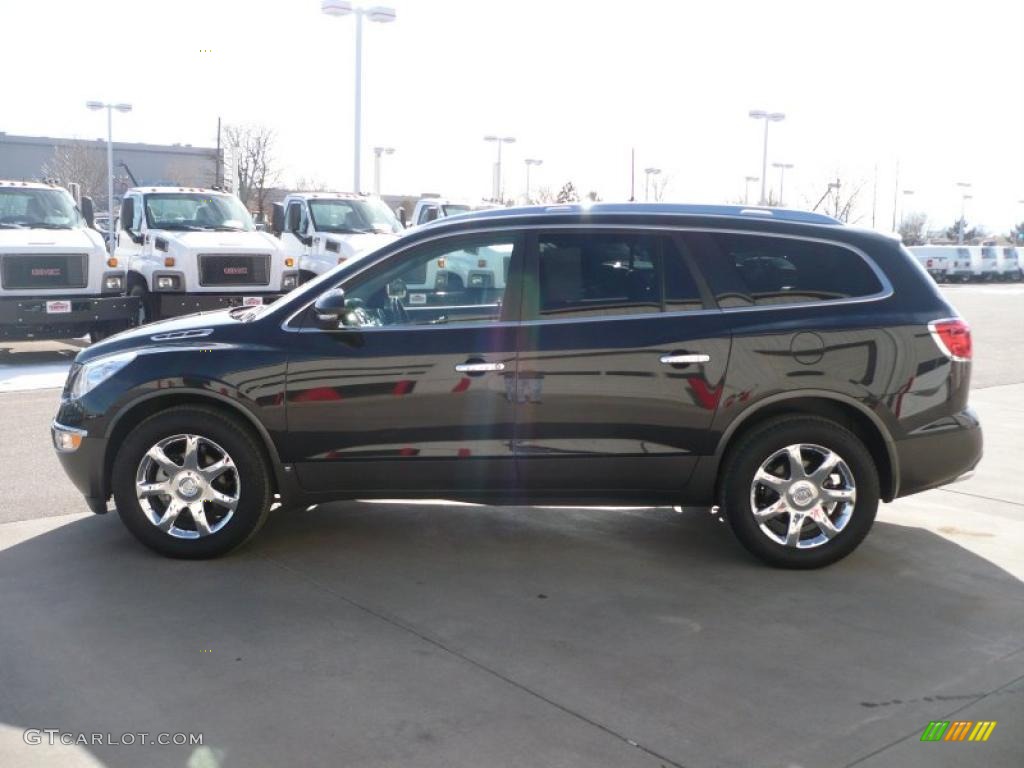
<point>667,209</point>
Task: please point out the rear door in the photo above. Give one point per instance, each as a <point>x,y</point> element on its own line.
<point>621,364</point>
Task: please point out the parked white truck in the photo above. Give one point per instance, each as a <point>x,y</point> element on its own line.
<point>189,249</point>
<point>56,279</point>
<point>430,209</point>
<point>320,230</point>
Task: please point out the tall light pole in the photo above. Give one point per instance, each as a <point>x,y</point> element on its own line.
<point>122,107</point>
<point>964,197</point>
<point>746,188</point>
<point>530,162</point>
<point>783,167</point>
<point>377,152</point>
<point>648,172</point>
<point>381,15</point>
<point>496,180</point>
<point>768,117</point>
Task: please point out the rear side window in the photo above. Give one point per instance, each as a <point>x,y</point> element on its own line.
<point>761,270</point>
<point>612,273</point>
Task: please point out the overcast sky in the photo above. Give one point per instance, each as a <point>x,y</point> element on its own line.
<point>935,86</point>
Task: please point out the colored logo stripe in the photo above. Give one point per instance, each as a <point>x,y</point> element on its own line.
<point>935,730</point>
<point>982,730</point>
<point>958,730</point>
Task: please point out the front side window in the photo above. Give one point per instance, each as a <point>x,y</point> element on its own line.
<point>608,273</point>
<point>189,211</point>
<point>353,216</point>
<point>427,213</point>
<point>762,270</point>
<point>455,280</point>
<point>27,207</point>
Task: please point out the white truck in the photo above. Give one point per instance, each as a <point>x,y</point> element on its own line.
<point>189,249</point>
<point>320,230</point>
<point>56,279</point>
<point>433,208</point>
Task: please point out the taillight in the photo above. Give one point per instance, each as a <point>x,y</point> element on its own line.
<point>953,337</point>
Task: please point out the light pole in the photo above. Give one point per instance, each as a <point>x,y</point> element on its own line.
<point>768,117</point>
<point>783,167</point>
<point>377,152</point>
<point>122,107</point>
<point>648,172</point>
<point>530,162</point>
<point>381,15</point>
<point>746,188</point>
<point>496,180</point>
<point>964,197</point>
<point>903,207</point>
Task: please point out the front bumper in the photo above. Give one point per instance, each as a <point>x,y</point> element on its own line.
<point>176,304</point>
<point>83,464</point>
<point>939,454</point>
<point>27,317</point>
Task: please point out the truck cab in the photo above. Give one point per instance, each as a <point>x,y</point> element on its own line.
<point>320,230</point>
<point>189,249</point>
<point>430,209</point>
<point>56,279</point>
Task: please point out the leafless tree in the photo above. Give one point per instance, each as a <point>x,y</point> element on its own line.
<point>841,199</point>
<point>545,195</point>
<point>82,164</point>
<point>912,228</point>
<point>568,194</point>
<point>311,184</point>
<point>251,147</point>
<point>659,185</point>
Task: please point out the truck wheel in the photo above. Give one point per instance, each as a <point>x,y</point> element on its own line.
<point>146,314</point>
<point>191,482</point>
<point>799,492</point>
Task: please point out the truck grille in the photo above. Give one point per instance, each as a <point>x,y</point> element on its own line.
<point>52,270</point>
<point>232,269</point>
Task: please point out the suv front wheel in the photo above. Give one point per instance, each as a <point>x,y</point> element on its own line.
<point>190,482</point>
<point>800,491</point>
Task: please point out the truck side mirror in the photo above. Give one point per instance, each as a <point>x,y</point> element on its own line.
<point>277,219</point>
<point>88,212</point>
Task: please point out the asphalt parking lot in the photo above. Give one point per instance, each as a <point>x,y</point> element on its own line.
<point>436,634</point>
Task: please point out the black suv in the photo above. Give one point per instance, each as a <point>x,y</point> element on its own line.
<point>787,368</point>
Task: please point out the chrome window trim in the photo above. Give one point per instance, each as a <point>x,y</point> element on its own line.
<point>57,426</point>
<point>886,292</point>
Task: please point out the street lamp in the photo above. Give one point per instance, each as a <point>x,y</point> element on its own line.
<point>964,197</point>
<point>496,181</point>
<point>381,15</point>
<point>122,107</point>
<point>648,172</point>
<point>783,167</point>
<point>768,117</point>
<point>530,162</point>
<point>746,188</point>
<point>377,152</point>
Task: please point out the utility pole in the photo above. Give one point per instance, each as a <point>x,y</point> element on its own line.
<point>220,160</point>
<point>895,195</point>
<point>632,175</point>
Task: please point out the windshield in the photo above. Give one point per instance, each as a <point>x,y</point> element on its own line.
<point>197,211</point>
<point>451,210</point>
<point>347,216</point>
<point>27,207</point>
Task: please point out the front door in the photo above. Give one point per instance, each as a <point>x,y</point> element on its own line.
<point>621,364</point>
<point>415,392</point>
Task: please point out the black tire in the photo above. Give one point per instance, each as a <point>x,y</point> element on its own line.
<point>253,480</point>
<point>146,313</point>
<point>745,458</point>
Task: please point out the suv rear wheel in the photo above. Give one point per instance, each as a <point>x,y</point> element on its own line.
<point>800,491</point>
<point>190,482</point>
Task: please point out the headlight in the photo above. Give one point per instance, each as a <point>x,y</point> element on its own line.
<point>94,373</point>
<point>113,283</point>
<point>289,281</point>
<point>167,282</point>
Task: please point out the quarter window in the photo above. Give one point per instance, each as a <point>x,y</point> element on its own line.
<point>763,270</point>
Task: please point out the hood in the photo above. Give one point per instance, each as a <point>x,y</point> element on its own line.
<point>358,244</point>
<point>220,241</point>
<point>19,240</point>
<point>219,321</point>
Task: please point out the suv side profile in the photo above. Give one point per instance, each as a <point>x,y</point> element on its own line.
<point>789,369</point>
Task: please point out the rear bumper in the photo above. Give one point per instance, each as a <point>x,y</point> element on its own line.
<point>27,318</point>
<point>940,453</point>
<point>175,304</point>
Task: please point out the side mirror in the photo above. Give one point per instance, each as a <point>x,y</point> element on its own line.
<point>329,309</point>
<point>401,217</point>
<point>88,212</point>
<point>277,219</point>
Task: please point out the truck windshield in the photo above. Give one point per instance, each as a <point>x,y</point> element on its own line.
<point>27,207</point>
<point>197,211</point>
<point>452,210</point>
<point>346,216</point>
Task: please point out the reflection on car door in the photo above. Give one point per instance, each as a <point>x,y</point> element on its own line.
<point>419,400</point>
<point>621,364</point>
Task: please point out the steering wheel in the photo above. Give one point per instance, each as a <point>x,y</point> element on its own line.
<point>398,313</point>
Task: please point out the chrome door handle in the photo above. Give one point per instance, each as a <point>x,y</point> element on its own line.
<point>684,359</point>
<point>479,367</point>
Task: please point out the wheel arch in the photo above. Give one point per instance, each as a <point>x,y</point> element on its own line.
<point>147,405</point>
<point>846,411</point>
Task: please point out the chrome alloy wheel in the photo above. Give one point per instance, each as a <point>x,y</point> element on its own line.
<point>803,496</point>
<point>187,486</point>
